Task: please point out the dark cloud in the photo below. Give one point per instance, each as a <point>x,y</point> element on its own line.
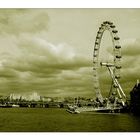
<point>31,61</point>
<point>130,65</point>
<point>131,48</point>
<point>22,20</point>
<point>38,65</point>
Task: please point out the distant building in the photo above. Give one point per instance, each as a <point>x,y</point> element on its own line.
<point>135,99</point>
<point>14,96</point>
<point>31,97</point>
<point>34,96</point>
<point>47,99</point>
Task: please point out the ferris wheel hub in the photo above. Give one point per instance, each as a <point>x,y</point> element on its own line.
<point>113,67</point>
<point>106,64</point>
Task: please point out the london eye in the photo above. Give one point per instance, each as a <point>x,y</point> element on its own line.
<point>113,67</point>
<point>116,99</point>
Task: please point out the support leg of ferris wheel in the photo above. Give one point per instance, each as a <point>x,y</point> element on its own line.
<point>115,81</point>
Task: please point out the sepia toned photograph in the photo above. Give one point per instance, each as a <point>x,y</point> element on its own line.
<point>69,70</point>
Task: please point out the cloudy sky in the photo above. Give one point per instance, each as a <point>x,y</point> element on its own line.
<point>49,51</point>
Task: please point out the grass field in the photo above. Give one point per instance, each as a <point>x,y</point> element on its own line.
<point>58,120</point>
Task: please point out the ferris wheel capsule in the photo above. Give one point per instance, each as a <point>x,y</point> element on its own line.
<point>114,65</point>
<point>112,26</point>
<point>95,55</point>
<point>95,48</point>
<point>115,86</point>
<point>94,68</point>
<point>99,32</point>
<point>117,46</point>
<point>117,77</point>
<point>118,56</point>
<point>114,31</point>
<point>94,62</point>
<point>96,43</point>
<point>116,38</point>
<point>98,37</point>
<point>118,67</point>
<point>105,22</point>
<point>110,23</point>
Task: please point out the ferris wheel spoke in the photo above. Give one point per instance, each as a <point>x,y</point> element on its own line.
<point>115,73</point>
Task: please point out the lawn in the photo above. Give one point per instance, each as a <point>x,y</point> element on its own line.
<point>59,120</point>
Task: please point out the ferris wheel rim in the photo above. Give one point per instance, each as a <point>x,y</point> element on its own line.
<point>106,26</point>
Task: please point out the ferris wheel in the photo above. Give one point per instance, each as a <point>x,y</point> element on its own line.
<point>114,66</point>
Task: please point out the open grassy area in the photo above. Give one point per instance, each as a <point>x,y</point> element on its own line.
<point>58,120</point>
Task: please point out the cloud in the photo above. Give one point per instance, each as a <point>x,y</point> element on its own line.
<point>35,64</point>
<point>15,21</point>
<point>131,47</point>
<point>129,62</point>
<point>37,53</point>
<point>48,53</point>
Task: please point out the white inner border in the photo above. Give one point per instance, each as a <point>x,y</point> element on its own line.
<point>70,136</point>
<point>70,4</point>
